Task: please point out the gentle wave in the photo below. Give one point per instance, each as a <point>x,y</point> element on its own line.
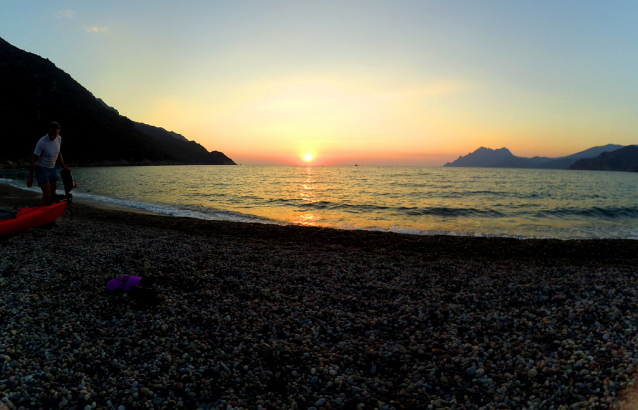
<point>412,200</point>
<point>455,212</point>
<point>160,209</point>
<point>22,186</point>
<point>594,212</point>
<point>183,212</point>
<point>515,211</point>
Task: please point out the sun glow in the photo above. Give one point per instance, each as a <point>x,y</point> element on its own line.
<point>308,157</point>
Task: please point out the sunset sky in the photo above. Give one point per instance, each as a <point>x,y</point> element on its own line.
<point>367,82</point>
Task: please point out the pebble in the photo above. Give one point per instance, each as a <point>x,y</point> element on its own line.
<point>252,324</point>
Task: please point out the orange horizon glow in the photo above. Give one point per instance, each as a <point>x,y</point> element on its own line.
<point>362,157</point>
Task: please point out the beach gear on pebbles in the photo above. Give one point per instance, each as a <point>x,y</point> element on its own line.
<point>123,283</point>
<point>139,289</point>
<point>256,325</point>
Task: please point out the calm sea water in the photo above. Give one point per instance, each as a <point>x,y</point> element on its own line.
<point>457,201</point>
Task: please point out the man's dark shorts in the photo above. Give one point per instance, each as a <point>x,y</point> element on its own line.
<point>46,175</point>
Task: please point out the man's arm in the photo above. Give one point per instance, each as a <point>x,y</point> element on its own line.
<point>61,161</point>
<point>31,168</point>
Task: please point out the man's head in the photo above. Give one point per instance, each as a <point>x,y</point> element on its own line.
<point>54,130</point>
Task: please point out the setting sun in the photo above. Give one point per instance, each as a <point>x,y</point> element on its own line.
<point>307,157</point>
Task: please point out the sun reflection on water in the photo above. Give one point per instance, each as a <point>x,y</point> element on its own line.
<point>307,219</point>
<point>308,196</point>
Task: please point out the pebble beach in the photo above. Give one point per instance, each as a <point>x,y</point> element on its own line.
<point>287,317</point>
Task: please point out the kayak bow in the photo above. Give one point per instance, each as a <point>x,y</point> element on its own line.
<point>31,217</point>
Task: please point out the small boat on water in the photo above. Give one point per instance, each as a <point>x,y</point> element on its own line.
<point>22,219</point>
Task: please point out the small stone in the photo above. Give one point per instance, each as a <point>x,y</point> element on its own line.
<point>532,373</point>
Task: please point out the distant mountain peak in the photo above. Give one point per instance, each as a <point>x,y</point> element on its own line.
<point>482,157</point>
<point>485,149</point>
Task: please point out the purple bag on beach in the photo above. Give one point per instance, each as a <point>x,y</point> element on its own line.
<point>123,283</point>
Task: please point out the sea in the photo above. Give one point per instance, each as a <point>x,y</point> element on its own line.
<point>484,202</point>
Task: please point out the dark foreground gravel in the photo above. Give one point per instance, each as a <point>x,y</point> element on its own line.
<point>271,317</point>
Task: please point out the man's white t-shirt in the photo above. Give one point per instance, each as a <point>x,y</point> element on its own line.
<point>48,151</point>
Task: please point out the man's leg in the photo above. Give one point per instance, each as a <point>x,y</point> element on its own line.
<point>53,185</point>
<point>46,194</point>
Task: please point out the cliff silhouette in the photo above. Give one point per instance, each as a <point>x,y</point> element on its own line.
<point>34,92</point>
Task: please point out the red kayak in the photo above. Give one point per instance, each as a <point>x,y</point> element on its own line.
<point>28,218</point>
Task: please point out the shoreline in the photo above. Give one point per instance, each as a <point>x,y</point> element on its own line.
<point>480,214</point>
<point>292,317</point>
<point>575,251</point>
<point>11,197</point>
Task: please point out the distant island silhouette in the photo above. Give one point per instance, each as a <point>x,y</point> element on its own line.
<point>611,157</point>
<point>36,92</point>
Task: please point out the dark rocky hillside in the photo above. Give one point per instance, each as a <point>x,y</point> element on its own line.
<point>566,162</point>
<point>34,92</point>
<point>624,159</point>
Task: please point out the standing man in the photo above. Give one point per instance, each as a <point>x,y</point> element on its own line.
<point>46,155</point>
